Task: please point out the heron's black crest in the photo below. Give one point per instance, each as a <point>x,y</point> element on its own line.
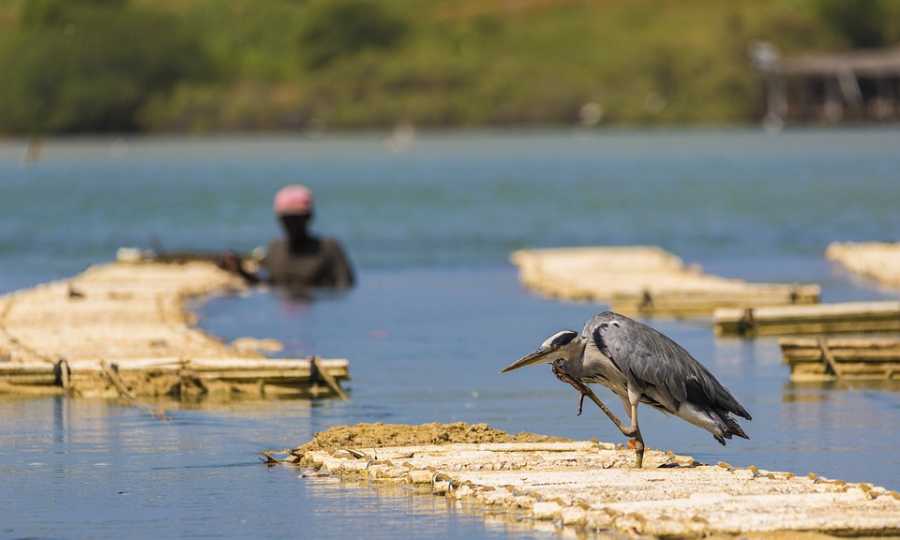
<point>561,338</point>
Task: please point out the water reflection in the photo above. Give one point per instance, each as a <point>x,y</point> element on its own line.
<point>820,391</point>
<point>421,512</point>
<point>98,466</point>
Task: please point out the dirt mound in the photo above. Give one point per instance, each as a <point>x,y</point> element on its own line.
<point>380,435</point>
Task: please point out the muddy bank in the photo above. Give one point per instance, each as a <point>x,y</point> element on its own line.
<point>378,435</point>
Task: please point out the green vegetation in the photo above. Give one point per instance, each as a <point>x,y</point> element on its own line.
<point>364,25</point>
<point>210,65</point>
<point>862,23</point>
<point>88,69</point>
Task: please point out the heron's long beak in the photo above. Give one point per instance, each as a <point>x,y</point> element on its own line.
<point>537,357</point>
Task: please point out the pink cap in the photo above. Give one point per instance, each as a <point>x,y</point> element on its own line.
<point>295,199</point>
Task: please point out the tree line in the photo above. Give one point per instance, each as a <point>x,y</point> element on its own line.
<point>76,66</point>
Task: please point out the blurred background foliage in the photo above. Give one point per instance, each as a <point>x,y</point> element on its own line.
<point>219,65</point>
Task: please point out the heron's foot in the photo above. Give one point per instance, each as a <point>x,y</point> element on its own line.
<point>638,446</point>
<point>580,405</point>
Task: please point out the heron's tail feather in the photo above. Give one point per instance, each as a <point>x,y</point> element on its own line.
<point>741,411</point>
<point>730,427</point>
<point>735,429</point>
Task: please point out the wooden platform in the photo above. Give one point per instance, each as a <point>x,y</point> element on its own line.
<point>645,280</point>
<point>218,378</point>
<point>877,261</point>
<point>589,487</point>
<point>123,330</point>
<point>847,317</point>
<point>849,358</point>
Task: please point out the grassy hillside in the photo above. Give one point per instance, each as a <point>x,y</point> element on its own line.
<point>212,65</point>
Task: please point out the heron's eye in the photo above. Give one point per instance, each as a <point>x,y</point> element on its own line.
<point>615,323</point>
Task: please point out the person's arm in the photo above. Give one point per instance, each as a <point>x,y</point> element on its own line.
<point>232,262</point>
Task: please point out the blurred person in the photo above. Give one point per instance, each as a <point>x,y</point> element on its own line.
<point>300,259</point>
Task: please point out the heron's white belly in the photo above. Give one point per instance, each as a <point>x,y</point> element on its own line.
<point>699,418</point>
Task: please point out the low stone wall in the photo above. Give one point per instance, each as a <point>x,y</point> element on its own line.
<point>646,280</point>
<point>878,261</point>
<point>591,487</point>
<point>123,329</point>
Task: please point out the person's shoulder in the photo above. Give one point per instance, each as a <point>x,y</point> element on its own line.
<point>332,248</point>
<point>330,244</point>
<point>275,248</point>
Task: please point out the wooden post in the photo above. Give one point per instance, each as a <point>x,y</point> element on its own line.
<point>116,381</point>
<point>322,373</point>
<point>833,110</point>
<point>646,301</point>
<point>63,374</point>
<point>776,99</point>
<point>747,325</point>
<point>828,358</point>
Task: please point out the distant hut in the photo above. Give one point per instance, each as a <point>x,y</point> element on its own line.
<point>862,86</point>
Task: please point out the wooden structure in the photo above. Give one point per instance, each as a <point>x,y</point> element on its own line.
<point>194,378</point>
<point>848,317</point>
<point>859,85</point>
<point>878,261</point>
<point>647,281</point>
<point>590,487</point>
<point>123,330</point>
<point>851,358</point>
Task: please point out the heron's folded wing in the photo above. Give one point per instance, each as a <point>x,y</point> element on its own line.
<point>653,359</point>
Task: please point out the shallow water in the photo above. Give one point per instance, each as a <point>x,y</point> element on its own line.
<point>438,310</point>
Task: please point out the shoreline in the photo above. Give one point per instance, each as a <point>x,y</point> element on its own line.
<point>513,131</point>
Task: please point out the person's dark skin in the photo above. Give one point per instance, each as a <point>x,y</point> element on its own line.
<point>301,259</point>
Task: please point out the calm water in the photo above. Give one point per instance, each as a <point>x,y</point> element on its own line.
<point>438,310</point>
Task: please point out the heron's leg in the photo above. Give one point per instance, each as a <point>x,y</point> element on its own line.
<point>634,420</point>
<point>637,440</point>
<point>626,406</point>
<point>580,404</point>
<point>582,388</point>
<point>631,408</point>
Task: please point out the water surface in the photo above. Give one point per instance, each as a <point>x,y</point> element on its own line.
<point>437,312</point>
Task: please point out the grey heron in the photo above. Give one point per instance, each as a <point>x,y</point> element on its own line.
<point>640,365</point>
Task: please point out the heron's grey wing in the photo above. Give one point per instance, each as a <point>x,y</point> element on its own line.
<point>653,359</point>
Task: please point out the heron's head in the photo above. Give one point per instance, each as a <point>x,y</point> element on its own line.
<point>562,345</point>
